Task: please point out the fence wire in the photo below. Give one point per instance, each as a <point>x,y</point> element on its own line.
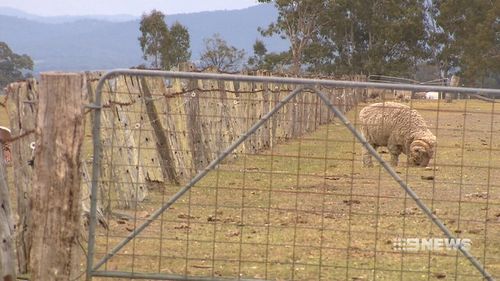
<point>229,177</point>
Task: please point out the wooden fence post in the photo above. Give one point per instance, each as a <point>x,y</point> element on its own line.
<point>55,198</point>
<point>163,145</point>
<point>21,107</point>
<point>7,257</point>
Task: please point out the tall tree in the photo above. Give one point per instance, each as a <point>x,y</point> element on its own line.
<point>154,34</point>
<point>468,38</point>
<point>175,50</point>
<point>12,66</point>
<point>259,52</point>
<point>164,47</point>
<point>298,22</point>
<point>275,62</point>
<point>371,37</point>
<point>219,54</point>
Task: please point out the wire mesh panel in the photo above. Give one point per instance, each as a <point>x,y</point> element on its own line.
<point>204,178</point>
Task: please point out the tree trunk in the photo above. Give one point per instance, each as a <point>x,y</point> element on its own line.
<point>163,146</point>
<point>7,257</point>
<point>296,58</point>
<point>55,198</point>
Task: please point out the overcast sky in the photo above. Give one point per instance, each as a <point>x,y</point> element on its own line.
<point>130,7</point>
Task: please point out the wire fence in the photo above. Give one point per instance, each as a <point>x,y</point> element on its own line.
<point>204,176</point>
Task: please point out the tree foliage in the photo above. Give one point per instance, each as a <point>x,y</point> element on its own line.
<point>390,37</point>
<point>176,50</point>
<point>218,54</point>
<point>353,36</point>
<point>274,62</point>
<point>12,65</point>
<point>298,21</point>
<point>259,50</point>
<point>467,39</point>
<point>154,33</point>
<point>372,37</point>
<point>162,46</point>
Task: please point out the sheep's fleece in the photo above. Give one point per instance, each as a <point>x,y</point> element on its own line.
<point>400,129</point>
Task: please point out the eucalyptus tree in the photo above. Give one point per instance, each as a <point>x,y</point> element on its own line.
<point>219,54</point>
<point>176,50</point>
<point>467,39</point>
<point>162,46</point>
<point>353,36</point>
<point>298,22</point>
<point>371,37</point>
<point>12,66</point>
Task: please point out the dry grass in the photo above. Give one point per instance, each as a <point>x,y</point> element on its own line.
<point>307,210</point>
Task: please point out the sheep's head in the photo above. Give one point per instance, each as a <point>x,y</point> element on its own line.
<point>421,152</point>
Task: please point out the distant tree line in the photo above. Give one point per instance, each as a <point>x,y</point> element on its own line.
<point>395,38</point>
<point>398,38</point>
<point>166,47</point>
<point>387,37</point>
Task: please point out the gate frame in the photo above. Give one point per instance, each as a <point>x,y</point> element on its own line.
<point>301,85</point>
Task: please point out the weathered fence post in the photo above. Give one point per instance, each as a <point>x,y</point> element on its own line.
<point>163,145</point>
<point>7,257</point>
<point>56,192</point>
<point>21,107</point>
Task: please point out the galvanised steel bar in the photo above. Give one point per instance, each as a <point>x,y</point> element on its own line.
<point>159,276</point>
<point>197,178</point>
<point>298,81</point>
<point>405,186</point>
<point>96,166</point>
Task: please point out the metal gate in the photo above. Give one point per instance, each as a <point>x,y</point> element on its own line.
<point>308,221</point>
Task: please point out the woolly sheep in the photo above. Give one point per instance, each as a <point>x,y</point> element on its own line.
<point>400,129</point>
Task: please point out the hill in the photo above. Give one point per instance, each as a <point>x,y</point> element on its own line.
<point>7,11</point>
<point>105,42</point>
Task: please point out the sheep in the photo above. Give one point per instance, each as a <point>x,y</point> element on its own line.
<point>420,96</point>
<point>404,96</point>
<point>375,93</point>
<point>400,129</point>
<point>432,95</point>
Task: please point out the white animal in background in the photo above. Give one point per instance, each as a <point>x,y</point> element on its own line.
<point>432,95</point>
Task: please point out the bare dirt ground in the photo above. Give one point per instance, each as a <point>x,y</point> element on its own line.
<point>306,209</point>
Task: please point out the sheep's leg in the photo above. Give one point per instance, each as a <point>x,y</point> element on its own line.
<point>394,159</point>
<point>367,157</point>
<point>395,151</point>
